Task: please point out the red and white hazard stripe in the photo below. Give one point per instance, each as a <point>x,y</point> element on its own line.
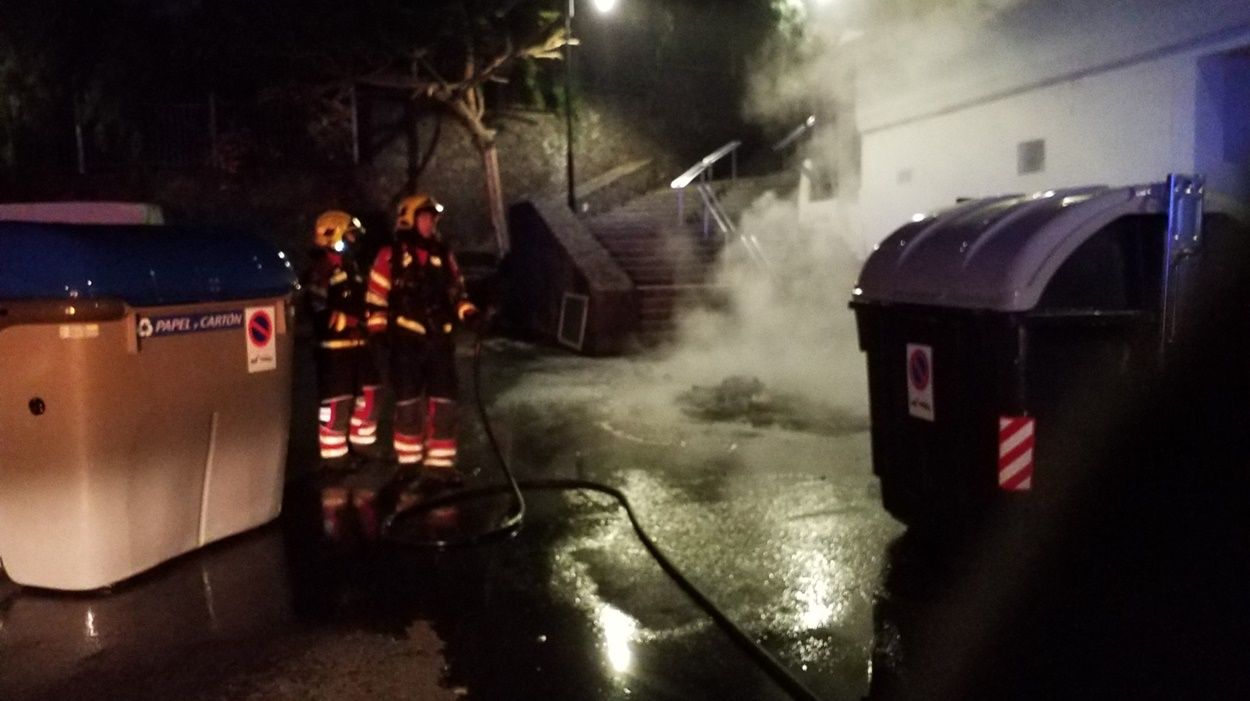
<point>1015,453</point>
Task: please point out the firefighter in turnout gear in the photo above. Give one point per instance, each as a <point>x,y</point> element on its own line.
<point>417,295</point>
<point>347,378</point>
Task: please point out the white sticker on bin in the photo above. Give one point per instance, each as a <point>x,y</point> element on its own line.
<point>920,381</point>
<point>262,354</point>
<point>77,331</point>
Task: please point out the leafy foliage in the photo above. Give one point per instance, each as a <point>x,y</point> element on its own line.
<point>111,60</point>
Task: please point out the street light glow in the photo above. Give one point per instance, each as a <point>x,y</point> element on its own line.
<point>605,6</point>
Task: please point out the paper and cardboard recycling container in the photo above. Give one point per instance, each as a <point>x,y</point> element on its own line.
<point>1014,344</point>
<point>144,395</point>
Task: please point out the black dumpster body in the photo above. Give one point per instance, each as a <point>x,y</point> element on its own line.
<point>1017,346</point>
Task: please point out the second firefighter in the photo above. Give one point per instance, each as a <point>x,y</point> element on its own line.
<point>347,378</point>
<point>417,295</point>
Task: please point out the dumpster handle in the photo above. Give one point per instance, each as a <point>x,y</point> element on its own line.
<point>1183,240</point>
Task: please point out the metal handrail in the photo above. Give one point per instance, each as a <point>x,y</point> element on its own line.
<point>704,167</point>
<point>712,207</point>
<point>713,211</point>
<point>795,134</point>
<point>704,171</point>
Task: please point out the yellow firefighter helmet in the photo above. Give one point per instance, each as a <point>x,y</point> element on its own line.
<point>406,216</point>
<point>336,230</point>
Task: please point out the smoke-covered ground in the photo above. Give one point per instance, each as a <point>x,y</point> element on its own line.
<point>788,325</point>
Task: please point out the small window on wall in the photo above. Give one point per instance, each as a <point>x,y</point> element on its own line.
<point>1031,156</point>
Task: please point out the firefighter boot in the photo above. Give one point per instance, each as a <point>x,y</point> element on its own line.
<point>333,418</point>
<point>440,458</point>
<point>364,424</point>
<point>409,433</point>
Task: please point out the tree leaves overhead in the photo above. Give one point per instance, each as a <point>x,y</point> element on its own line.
<point>107,58</point>
<point>321,40</point>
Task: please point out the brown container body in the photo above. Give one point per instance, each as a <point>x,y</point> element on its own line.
<point>118,453</point>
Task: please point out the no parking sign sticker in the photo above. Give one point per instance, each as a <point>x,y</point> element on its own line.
<point>258,327</point>
<point>920,381</point>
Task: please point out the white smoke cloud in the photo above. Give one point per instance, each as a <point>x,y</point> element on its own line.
<point>789,328</point>
<point>792,328</point>
<point>837,52</point>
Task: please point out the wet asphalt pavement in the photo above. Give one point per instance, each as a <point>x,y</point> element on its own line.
<point>768,504</point>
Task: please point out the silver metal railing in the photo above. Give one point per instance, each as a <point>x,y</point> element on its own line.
<point>714,212</point>
<point>795,134</point>
<point>704,171</point>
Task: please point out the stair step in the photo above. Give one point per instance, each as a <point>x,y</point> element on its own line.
<point>667,250</point>
<point>626,227</point>
<point>678,289</point>
<point>654,340</point>
<point>657,325</point>
<point>631,241</point>
<point>688,300</point>
<point>655,316</point>
<point>666,279</point>
<point>646,264</point>
<point>653,261</point>
<point>700,275</point>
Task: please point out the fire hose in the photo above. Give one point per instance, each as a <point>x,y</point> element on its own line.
<point>511,524</point>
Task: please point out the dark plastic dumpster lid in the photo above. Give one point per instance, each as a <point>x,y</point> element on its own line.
<point>141,265</point>
<point>995,254</point>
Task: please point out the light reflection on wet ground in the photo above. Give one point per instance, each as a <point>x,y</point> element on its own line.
<point>781,527</point>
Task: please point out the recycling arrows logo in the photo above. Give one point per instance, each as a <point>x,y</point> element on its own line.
<point>145,327</point>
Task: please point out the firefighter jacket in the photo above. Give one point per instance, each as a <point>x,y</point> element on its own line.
<point>336,292</point>
<point>416,287</point>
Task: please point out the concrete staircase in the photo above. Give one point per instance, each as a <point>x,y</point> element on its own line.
<point>671,262</point>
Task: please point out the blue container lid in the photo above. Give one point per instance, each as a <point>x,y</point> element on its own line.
<point>141,265</point>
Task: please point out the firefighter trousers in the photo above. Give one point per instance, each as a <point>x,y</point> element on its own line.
<point>423,375</point>
<point>347,386</point>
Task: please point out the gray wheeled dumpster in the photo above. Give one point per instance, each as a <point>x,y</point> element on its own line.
<point>144,398</point>
<point>1014,342</point>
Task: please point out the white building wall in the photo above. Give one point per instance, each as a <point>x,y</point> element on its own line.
<point>947,60</point>
<point>1126,126</point>
<point>1122,91</point>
